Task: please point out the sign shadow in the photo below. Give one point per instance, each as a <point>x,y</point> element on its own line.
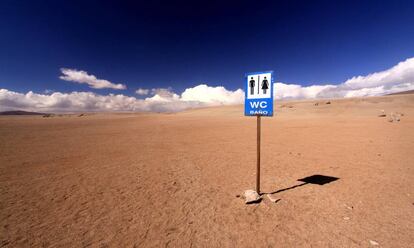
<point>314,179</point>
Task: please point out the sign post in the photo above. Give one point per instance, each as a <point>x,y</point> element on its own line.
<point>258,156</point>
<point>259,102</point>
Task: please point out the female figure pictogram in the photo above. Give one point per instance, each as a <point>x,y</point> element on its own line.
<point>265,85</point>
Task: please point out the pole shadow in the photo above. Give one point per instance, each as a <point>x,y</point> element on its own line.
<point>314,179</point>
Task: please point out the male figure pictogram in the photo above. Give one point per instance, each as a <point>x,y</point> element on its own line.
<point>251,85</point>
<point>265,85</point>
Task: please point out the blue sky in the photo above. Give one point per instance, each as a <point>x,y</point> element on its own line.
<point>179,45</point>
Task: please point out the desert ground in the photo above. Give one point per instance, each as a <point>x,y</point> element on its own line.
<point>177,179</point>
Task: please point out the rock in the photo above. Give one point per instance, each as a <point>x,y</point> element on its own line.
<point>372,242</point>
<point>394,117</point>
<point>382,114</point>
<point>251,196</point>
<point>328,102</point>
<point>346,218</point>
<point>316,104</point>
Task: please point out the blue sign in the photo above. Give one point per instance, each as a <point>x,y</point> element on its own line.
<point>259,94</point>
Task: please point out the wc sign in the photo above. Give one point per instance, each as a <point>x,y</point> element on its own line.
<point>259,94</point>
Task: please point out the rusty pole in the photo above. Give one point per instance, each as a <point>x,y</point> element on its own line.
<point>258,156</point>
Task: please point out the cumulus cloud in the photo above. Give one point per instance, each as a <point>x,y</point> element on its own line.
<point>142,92</point>
<point>162,95</point>
<point>48,91</point>
<point>163,100</point>
<point>213,95</point>
<point>163,92</point>
<point>83,77</point>
<point>397,78</point>
<point>295,91</point>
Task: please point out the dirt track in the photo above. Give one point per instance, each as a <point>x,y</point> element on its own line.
<point>154,180</point>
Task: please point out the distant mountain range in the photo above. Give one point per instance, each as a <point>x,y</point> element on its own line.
<point>20,112</point>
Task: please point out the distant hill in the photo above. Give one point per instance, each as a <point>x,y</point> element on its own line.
<point>20,112</point>
<point>402,93</point>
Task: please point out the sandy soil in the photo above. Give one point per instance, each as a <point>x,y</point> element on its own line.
<point>155,180</point>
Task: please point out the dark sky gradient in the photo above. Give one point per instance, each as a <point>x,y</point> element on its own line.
<point>154,44</point>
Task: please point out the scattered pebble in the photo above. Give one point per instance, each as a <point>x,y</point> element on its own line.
<point>372,242</point>
<point>272,199</point>
<point>349,207</point>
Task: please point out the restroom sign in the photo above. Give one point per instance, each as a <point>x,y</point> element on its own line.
<point>259,94</point>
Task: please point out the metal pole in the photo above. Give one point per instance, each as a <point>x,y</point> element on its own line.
<point>258,156</point>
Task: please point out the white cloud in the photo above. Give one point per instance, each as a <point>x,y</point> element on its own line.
<point>398,78</point>
<point>295,91</point>
<point>395,79</point>
<point>401,73</point>
<point>163,92</point>
<point>163,95</point>
<point>142,92</point>
<point>213,95</point>
<point>164,100</point>
<point>83,77</point>
<point>48,91</point>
